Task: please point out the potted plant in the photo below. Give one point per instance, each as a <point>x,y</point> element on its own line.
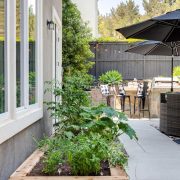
<point>111,77</point>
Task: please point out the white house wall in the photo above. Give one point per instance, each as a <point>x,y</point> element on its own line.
<point>89,13</point>
<point>16,149</point>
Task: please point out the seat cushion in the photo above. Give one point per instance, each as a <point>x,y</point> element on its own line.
<point>104,89</point>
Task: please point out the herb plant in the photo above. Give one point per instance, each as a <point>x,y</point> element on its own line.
<point>83,154</point>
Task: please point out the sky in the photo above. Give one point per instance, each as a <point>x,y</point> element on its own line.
<point>106,5</point>
<point>32,2</point>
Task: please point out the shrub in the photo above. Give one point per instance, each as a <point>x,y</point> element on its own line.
<point>114,39</point>
<point>176,71</point>
<point>111,77</point>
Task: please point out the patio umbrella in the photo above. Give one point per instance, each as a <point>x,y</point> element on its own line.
<point>158,48</point>
<point>165,28</point>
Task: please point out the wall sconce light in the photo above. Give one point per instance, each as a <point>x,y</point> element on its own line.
<point>50,25</point>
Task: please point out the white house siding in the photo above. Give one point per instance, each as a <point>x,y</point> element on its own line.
<point>89,13</point>
<point>16,149</point>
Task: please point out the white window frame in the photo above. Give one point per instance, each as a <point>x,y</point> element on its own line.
<point>23,46</point>
<point>5,115</point>
<point>17,119</point>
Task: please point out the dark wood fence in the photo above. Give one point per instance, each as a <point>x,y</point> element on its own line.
<point>111,56</point>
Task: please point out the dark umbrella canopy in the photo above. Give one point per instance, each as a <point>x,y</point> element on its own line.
<point>157,48</point>
<point>165,28</point>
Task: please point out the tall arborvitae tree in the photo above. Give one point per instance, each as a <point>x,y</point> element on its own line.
<point>76,38</point>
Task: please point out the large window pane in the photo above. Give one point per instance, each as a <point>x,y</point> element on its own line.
<point>2,56</point>
<point>32,51</point>
<point>19,69</point>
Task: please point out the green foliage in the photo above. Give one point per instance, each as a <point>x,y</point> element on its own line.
<point>155,8</point>
<point>176,71</point>
<point>32,79</point>
<point>32,87</point>
<point>114,39</point>
<point>127,13</point>
<point>2,94</point>
<point>111,77</point>
<point>55,152</point>
<point>84,154</point>
<point>106,121</point>
<point>76,38</point>
<point>52,161</point>
<point>85,136</point>
<point>73,97</point>
<point>117,155</point>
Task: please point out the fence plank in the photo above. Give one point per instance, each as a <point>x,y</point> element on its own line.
<point>111,56</point>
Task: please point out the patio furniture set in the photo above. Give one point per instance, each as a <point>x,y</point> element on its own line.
<point>161,35</point>
<point>141,102</point>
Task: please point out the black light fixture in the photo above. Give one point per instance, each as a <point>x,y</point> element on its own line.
<point>50,25</point>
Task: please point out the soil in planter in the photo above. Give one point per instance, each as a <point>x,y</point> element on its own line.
<point>66,171</point>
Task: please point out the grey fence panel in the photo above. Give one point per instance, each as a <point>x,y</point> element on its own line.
<point>112,56</point>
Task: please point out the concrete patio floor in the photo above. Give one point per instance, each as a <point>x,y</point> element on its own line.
<point>154,156</point>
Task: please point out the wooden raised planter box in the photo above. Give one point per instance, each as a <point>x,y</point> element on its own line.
<point>22,172</point>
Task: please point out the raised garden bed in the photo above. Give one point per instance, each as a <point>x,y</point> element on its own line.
<point>24,172</point>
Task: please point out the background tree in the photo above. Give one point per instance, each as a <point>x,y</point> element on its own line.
<point>76,38</point>
<point>125,14</point>
<point>154,8</point>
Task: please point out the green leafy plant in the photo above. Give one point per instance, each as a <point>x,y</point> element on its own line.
<point>55,149</point>
<point>86,154</point>
<point>83,154</point>
<point>85,136</point>
<point>117,156</point>
<point>176,71</point>
<point>73,98</point>
<point>111,77</point>
<point>106,121</point>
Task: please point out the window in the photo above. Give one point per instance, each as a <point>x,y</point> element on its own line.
<point>2,58</point>
<point>19,59</point>
<point>32,51</point>
<point>21,82</point>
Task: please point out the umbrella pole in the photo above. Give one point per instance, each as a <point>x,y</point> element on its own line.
<point>172,66</point>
